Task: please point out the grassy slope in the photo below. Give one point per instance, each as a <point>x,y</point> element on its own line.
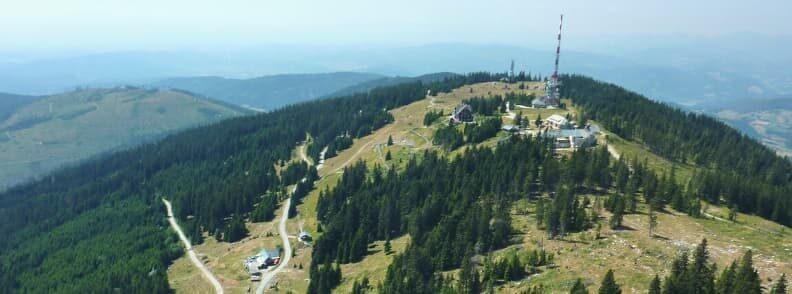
<point>89,122</point>
<point>633,254</point>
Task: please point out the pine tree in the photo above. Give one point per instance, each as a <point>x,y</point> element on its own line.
<point>747,279</point>
<point>618,212</point>
<point>733,213</point>
<point>780,287</point>
<point>390,140</point>
<point>538,121</point>
<point>540,213</point>
<point>518,119</point>
<point>387,246</point>
<point>652,221</point>
<point>654,286</point>
<point>726,281</point>
<point>388,155</point>
<point>609,285</point>
<point>578,287</point>
<point>701,272</point>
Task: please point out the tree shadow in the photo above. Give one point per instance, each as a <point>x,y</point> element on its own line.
<point>623,228</point>
<point>661,237</point>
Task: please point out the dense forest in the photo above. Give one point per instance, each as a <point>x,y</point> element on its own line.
<point>456,209</point>
<point>100,225</point>
<point>740,171</point>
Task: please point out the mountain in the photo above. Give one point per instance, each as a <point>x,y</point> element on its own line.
<point>389,81</point>
<point>100,224</point>
<point>388,207</point>
<point>41,135</point>
<point>269,92</point>
<point>690,71</point>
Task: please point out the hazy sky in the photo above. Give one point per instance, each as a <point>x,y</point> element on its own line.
<point>184,24</point>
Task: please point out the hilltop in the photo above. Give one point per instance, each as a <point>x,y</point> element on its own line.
<point>630,250</point>
<point>49,132</point>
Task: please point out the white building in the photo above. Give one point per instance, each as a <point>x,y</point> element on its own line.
<point>574,138</point>
<point>557,122</point>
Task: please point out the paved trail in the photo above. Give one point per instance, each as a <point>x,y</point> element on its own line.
<point>190,252</point>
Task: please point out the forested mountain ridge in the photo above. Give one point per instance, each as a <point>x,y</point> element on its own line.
<point>740,171</point>
<point>214,173</point>
<point>47,132</point>
<point>563,196</point>
<point>389,81</point>
<point>100,225</point>
<point>269,92</point>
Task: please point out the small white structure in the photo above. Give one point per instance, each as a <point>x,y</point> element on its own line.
<point>574,138</point>
<point>510,128</point>
<point>557,122</point>
<point>255,264</point>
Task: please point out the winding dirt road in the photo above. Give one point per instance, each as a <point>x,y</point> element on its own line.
<point>190,252</point>
<point>268,276</point>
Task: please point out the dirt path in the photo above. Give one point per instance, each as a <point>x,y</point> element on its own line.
<point>377,137</point>
<point>269,276</point>
<point>190,251</point>
<point>613,152</point>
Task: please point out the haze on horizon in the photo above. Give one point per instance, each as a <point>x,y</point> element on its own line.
<point>101,26</point>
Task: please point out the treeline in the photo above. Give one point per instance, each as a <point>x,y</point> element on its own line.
<point>488,106</point>
<point>483,129</point>
<point>449,137</point>
<point>496,104</point>
<point>741,171</point>
<point>55,239</point>
<point>431,116</point>
<point>303,187</point>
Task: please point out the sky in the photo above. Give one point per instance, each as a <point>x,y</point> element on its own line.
<point>108,25</point>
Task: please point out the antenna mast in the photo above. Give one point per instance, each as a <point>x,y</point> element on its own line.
<point>511,71</point>
<point>558,48</point>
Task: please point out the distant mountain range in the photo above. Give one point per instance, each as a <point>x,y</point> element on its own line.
<point>709,74</point>
<point>40,134</point>
<point>269,92</point>
<point>389,81</point>
<point>687,73</point>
